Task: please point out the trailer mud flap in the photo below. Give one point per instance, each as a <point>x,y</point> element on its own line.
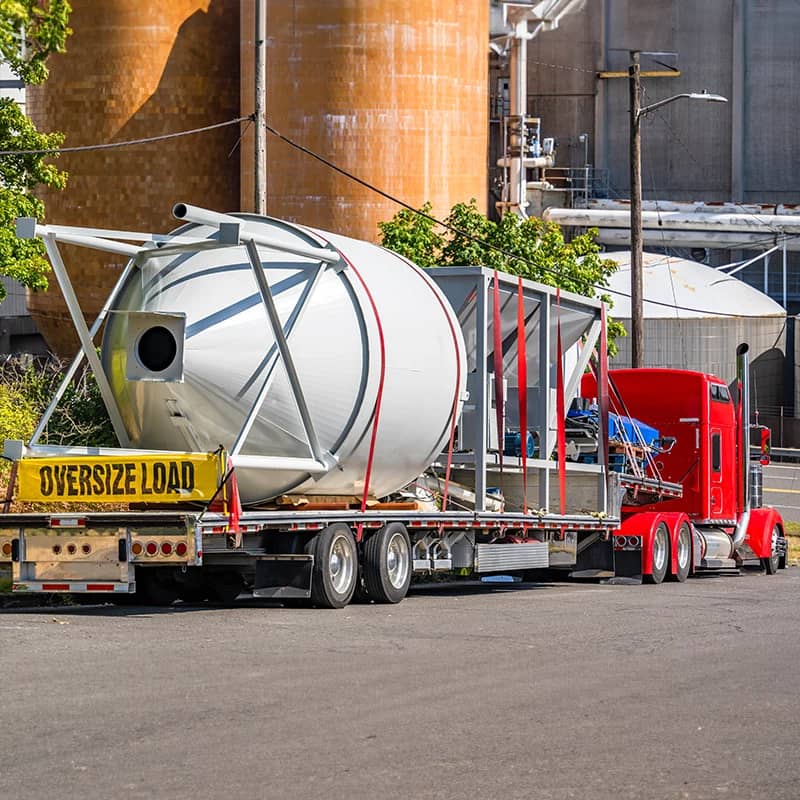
<point>283,576</point>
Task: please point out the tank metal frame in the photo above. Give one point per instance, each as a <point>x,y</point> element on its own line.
<point>232,232</point>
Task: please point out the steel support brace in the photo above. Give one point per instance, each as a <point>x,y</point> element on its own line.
<point>86,338</point>
<point>78,360</point>
<point>285,352</point>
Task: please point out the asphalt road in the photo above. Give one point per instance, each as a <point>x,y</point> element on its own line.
<point>545,691</point>
<point>782,489</point>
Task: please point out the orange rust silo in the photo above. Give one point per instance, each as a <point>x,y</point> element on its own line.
<point>394,92</point>
<point>136,69</point>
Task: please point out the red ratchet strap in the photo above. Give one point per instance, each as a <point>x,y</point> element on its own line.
<point>560,413</point>
<point>602,382</point>
<point>378,398</point>
<point>498,370</point>
<point>522,391</point>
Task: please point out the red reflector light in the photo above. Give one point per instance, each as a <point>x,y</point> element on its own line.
<point>151,548</point>
<point>166,548</point>
<point>72,549</point>
<point>55,587</point>
<point>181,549</point>
<point>67,522</point>
<point>99,587</point>
<point>86,549</point>
<point>57,549</point>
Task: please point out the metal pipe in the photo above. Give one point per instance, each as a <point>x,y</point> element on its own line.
<point>743,434</point>
<point>202,216</point>
<point>765,224</point>
<point>726,241</point>
<point>92,242</point>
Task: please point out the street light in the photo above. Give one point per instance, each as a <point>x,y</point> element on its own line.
<point>637,112</point>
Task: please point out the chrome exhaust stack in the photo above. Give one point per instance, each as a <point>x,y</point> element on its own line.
<point>743,442</point>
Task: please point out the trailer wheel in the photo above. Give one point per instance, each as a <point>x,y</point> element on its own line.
<point>155,587</point>
<point>660,547</point>
<point>335,571</point>
<point>224,586</point>
<point>387,564</point>
<point>771,564</point>
<point>684,554</point>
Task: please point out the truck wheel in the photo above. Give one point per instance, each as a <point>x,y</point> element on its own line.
<point>333,578</point>
<point>155,587</point>
<point>224,587</point>
<point>387,564</point>
<point>684,555</point>
<point>660,547</point>
<point>771,564</point>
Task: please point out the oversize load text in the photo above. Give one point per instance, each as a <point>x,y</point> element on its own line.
<point>119,480</point>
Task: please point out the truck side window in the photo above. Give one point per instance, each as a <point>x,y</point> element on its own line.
<point>716,452</point>
<point>720,393</point>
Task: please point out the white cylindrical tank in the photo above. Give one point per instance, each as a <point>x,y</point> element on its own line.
<point>371,324</point>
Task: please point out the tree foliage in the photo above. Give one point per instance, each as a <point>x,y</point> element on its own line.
<point>28,387</point>
<point>30,31</point>
<point>532,248</point>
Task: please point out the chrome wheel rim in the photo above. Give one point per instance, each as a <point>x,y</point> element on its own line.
<point>398,560</point>
<point>341,565</point>
<point>659,551</point>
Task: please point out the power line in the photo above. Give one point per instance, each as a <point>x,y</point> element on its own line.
<point>128,143</point>
<point>409,207</point>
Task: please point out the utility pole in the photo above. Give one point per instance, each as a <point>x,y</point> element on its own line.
<point>637,312</point>
<point>260,84</point>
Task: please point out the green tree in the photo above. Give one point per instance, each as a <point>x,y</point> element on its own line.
<point>532,248</point>
<point>30,31</point>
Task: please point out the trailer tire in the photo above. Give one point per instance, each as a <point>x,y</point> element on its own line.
<point>387,564</point>
<point>155,586</point>
<point>660,560</point>
<point>684,555</point>
<point>772,563</point>
<point>224,587</point>
<point>335,570</point>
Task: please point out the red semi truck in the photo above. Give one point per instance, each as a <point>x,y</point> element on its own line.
<point>511,483</point>
<point>718,523</point>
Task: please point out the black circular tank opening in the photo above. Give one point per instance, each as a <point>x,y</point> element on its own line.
<point>157,348</point>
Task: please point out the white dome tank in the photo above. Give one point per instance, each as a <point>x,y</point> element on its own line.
<point>190,383</point>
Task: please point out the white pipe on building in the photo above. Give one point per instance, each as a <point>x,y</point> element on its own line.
<point>663,237</point>
<point>665,220</point>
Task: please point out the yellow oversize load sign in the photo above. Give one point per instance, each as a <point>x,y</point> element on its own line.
<point>173,478</point>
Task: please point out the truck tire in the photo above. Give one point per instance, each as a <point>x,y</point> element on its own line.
<point>224,586</point>
<point>660,560</point>
<point>155,586</point>
<point>771,564</point>
<point>684,554</point>
<point>387,564</point>
<point>335,571</point>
